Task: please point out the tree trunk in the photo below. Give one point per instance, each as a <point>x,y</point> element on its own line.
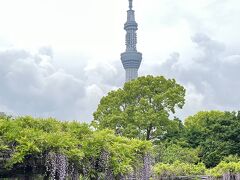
<point>149,129</point>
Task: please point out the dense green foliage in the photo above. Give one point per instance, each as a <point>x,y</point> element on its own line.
<point>179,169</point>
<point>29,143</point>
<point>187,169</point>
<point>225,168</point>
<point>216,133</point>
<point>170,153</point>
<point>141,108</point>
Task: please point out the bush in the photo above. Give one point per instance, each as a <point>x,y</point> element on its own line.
<point>169,153</point>
<point>225,168</point>
<point>179,169</point>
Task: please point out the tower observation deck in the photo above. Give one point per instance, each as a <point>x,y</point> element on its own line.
<point>131,59</point>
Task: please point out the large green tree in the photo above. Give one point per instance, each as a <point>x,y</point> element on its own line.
<point>141,109</point>
<point>216,133</point>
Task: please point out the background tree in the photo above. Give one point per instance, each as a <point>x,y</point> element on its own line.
<point>216,133</point>
<point>141,108</point>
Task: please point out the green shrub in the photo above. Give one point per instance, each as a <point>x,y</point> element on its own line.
<point>169,153</point>
<point>224,168</point>
<point>179,169</point>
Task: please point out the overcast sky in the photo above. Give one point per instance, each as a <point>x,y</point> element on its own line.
<point>59,57</point>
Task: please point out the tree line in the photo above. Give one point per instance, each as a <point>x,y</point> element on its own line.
<point>133,134</point>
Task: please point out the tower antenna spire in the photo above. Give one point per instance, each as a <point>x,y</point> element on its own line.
<point>130,4</point>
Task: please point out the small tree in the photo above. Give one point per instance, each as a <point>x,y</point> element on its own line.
<point>141,109</point>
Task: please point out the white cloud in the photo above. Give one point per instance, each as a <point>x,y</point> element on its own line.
<point>211,78</point>
<point>30,84</point>
<point>196,42</point>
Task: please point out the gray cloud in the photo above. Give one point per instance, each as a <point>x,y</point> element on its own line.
<point>31,83</point>
<point>211,78</point>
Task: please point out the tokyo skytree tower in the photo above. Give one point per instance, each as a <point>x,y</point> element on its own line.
<point>131,58</point>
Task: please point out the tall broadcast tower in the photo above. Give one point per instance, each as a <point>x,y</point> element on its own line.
<point>131,59</point>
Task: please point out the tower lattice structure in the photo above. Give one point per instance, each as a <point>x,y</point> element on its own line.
<point>131,58</point>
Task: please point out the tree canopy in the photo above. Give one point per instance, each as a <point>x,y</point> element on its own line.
<point>141,109</point>
<point>216,133</point>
